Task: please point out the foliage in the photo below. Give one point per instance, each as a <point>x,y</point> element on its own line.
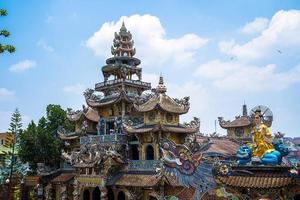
<point>5,33</point>
<point>11,166</point>
<point>39,143</point>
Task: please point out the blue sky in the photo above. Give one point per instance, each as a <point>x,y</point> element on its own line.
<point>220,53</point>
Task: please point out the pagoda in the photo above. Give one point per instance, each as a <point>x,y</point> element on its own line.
<point>240,127</point>
<point>99,142</point>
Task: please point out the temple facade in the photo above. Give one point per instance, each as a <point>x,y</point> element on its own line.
<point>115,151</point>
<point>129,144</point>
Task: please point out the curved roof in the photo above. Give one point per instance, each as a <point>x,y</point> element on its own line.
<point>89,113</point>
<point>92,114</point>
<point>241,121</point>
<point>160,127</point>
<point>221,145</point>
<point>109,100</point>
<point>69,136</point>
<point>164,102</point>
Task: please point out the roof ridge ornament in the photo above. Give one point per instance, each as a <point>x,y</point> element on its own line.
<point>161,88</point>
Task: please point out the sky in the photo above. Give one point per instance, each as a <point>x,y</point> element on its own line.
<point>220,53</point>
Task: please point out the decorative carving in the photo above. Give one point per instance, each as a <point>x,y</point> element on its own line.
<point>184,101</point>
<point>133,121</point>
<point>101,126</point>
<point>195,123</point>
<point>118,125</point>
<point>43,169</point>
<point>138,100</point>
<point>49,192</point>
<point>84,127</point>
<point>136,193</point>
<point>89,95</point>
<point>222,122</point>
<point>184,162</point>
<point>91,154</point>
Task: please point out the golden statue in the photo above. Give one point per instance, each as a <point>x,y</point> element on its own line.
<point>262,137</point>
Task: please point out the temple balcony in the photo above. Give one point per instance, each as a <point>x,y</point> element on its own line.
<point>143,165</point>
<point>106,84</point>
<point>112,138</point>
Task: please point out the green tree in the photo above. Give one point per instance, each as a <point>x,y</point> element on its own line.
<point>39,143</point>
<point>57,117</point>
<point>12,168</point>
<point>5,33</point>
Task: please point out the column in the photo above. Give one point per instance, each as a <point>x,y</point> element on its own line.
<point>104,191</point>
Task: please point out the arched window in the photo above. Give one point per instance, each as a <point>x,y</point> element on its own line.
<point>86,194</point>
<point>121,196</point>
<point>134,148</point>
<point>149,152</point>
<point>110,194</point>
<point>96,194</point>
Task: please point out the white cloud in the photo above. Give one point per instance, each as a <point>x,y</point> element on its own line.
<point>241,76</point>
<point>6,94</point>
<point>22,66</point>
<point>151,78</point>
<point>282,33</point>
<point>43,44</point>
<point>150,39</point>
<point>76,89</point>
<point>256,26</point>
<point>197,93</point>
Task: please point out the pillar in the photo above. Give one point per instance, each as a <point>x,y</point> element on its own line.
<point>103,191</point>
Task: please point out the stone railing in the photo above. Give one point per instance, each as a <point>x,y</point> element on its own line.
<point>143,165</point>
<point>112,82</point>
<point>103,138</point>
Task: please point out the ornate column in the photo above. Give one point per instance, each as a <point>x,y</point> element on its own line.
<point>104,192</point>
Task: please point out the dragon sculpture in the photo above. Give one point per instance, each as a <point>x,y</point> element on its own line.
<point>186,163</point>
<point>91,96</point>
<point>92,154</point>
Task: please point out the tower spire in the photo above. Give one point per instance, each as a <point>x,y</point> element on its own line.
<point>245,112</point>
<point>161,88</point>
<point>123,43</point>
<point>123,27</point>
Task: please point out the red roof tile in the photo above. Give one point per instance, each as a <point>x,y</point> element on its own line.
<point>255,181</point>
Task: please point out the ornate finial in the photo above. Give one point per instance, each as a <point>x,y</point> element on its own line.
<point>123,43</point>
<point>123,27</point>
<point>161,88</point>
<point>245,112</point>
<point>161,80</point>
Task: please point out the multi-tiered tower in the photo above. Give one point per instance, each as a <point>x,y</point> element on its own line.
<point>99,142</point>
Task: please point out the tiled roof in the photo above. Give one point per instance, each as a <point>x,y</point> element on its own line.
<point>241,121</point>
<point>158,127</point>
<point>255,181</point>
<point>31,180</point>
<point>163,102</point>
<point>137,180</point>
<point>221,145</point>
<point>64,177</point>
<point>187,193</point>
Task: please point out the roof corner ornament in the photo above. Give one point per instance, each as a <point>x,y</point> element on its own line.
<point>185,101</point>
<point>195,123</point>
<point>89,95</point>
